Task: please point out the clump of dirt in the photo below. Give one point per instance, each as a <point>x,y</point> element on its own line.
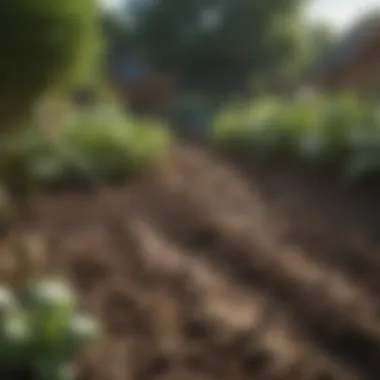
<point>207,269</point>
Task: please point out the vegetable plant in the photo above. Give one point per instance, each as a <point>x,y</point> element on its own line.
<point>327,132</point>
<point>42,330</point>
<point>94,146</point>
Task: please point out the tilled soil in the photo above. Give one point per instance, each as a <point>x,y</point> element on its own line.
<point>208,270</point>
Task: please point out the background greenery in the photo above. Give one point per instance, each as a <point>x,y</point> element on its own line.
<point>336,132</point>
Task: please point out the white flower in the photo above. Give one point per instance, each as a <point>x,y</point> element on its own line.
<point>52,293</point>
<point>83,327</point>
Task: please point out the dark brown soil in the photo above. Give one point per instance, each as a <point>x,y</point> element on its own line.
<point>208,270</point>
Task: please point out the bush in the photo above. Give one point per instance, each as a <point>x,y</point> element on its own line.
<point>41,331</point>
<point>339,133</point>
<point>94,146</point>
<point>43,45</point>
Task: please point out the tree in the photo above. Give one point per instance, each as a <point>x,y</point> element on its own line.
<point>217,42</point>
<point>116,32</point>
<point>44,43</point>
<point>321,37</point>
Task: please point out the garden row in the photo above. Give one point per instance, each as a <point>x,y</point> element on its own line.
<point>90,147</point>
<point>339,133</point>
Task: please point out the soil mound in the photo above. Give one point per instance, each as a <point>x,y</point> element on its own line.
<point>207,269</point>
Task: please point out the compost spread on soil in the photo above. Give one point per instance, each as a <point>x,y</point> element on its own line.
<point>209,268</point>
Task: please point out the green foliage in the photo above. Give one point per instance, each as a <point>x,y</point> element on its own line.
<point>44,44</point>
<point>217,44</point>
<point>321,37</point>
<point>339,133</point>
<point>42,330</point>
<point>94,146</point>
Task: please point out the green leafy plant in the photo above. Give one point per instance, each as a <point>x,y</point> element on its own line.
<point>98,145</point>
<point>42,330</point>
<point>340,133</point>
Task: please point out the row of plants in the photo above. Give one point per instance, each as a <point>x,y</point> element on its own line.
<point>94,145</point>
<point>331,132</point>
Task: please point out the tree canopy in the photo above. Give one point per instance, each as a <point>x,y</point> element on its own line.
<point>218,41</point>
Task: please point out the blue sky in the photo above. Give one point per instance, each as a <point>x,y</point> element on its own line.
<point>339,13</point>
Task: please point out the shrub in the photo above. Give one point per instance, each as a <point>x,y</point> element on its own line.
<point>41,331</point>
<point>329,132</point>
<point>94,146</point>
<point>43,45</point>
